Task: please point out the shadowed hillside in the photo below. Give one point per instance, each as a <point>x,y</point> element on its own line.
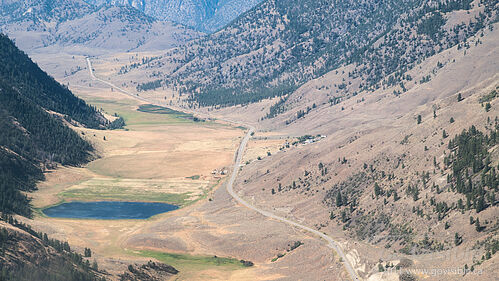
<point>35,115</point>
<point>31,255</point>
<point>32,135</point>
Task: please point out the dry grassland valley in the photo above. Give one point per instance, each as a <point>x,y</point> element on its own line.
<point>249,140</point>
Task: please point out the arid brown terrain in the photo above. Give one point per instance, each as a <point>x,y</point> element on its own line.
<point>393,153</point>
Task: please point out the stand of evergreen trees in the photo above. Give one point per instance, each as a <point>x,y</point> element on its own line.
<point>31,138</point>
<point>472,172</point>
<point>23,74</point>
<point>118,123</point>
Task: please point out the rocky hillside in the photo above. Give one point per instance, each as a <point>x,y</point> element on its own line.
<point>411,172</point>
<point>62,23</point>
<point>205,15</point>
<point>281,44</point>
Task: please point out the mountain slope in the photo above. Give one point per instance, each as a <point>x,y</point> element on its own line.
<point>281,44</point>
<point>31,255</point>
<point>409,173</point>
<point>63,23</point>
<point>114,28</point>
<point>19,71</point>
<point>33,134</point>
<point>28,255</point>
<point>204,15</point>
<point>226,12</point>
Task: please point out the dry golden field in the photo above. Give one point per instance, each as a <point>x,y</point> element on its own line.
<point>162,156</point>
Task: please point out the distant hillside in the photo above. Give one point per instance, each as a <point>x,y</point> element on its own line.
<point>203,15</point>
<point>64,23</point>
<point>281,44</point>
<point>30,134</point>
<point>41,12</point>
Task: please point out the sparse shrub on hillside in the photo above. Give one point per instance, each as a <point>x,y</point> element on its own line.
<point>490,96</point>
<point>487,107</point>
<point>406,276</point>
<point>377,190</point>
<point>478,227</point>
<point>87,253</point>
<point>381,268</point>
<point>457,239</point>
<point>405,263</point>
<point>247,263</point>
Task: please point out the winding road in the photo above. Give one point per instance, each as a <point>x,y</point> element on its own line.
<point>230,184</point>
<point>230,188</point>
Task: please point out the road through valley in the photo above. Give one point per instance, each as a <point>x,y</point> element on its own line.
<point>230,184</point>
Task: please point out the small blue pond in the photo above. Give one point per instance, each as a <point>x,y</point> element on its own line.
<point>108,210</point>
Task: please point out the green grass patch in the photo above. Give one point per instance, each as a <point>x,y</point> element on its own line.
<point>143,115</point>
<point>38,212</point>
<point>124,194</point>
<point>187,263</point>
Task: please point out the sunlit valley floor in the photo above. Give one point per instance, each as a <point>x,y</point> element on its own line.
<point>172,159</point>
<point>378,168</point>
